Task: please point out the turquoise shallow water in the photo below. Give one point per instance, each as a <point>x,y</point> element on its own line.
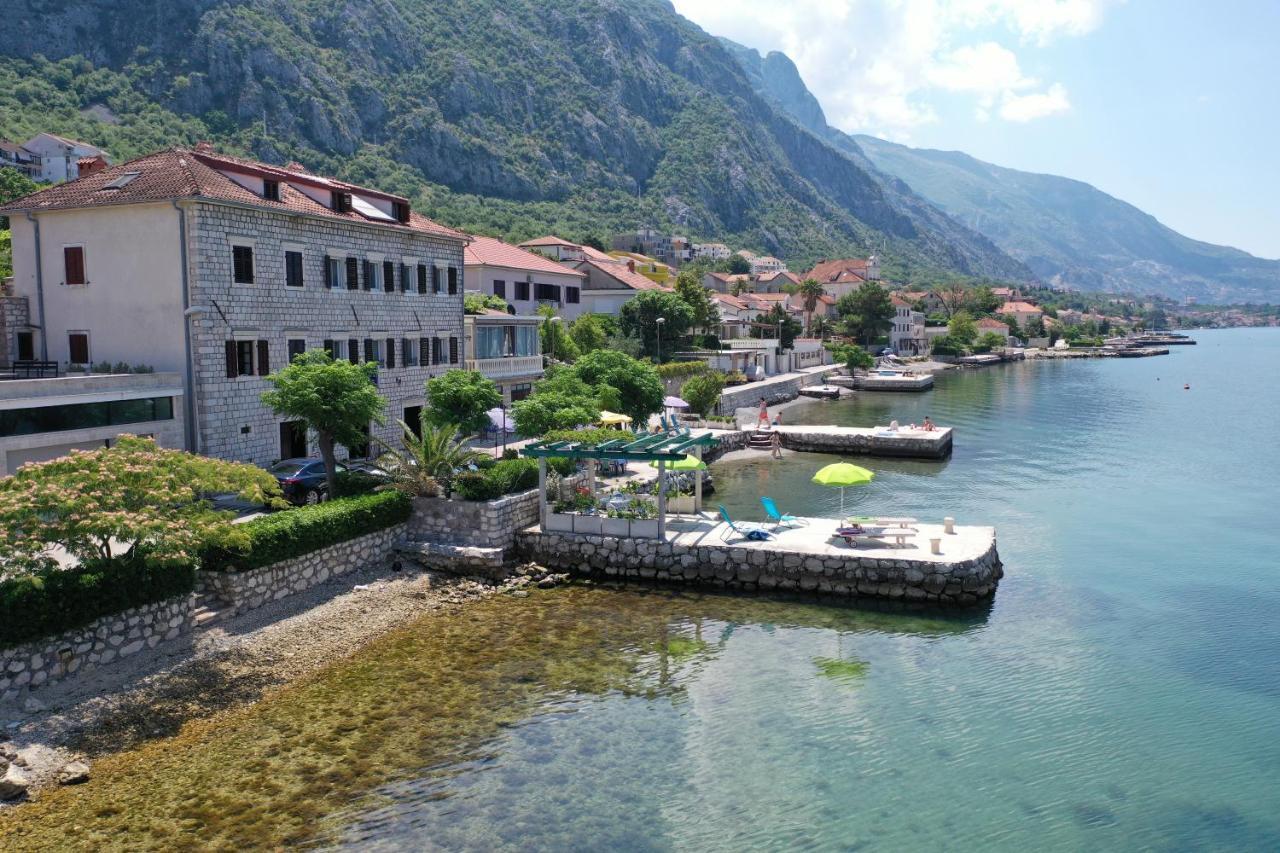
<point>1121,692</point>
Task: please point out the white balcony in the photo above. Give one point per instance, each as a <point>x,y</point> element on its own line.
<point>752,343</point>
<point>507,368</point>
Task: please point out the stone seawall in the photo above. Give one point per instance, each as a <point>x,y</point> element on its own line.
<point>845,574</point>
<point>868,442</point>
<point>485,524</point>
<point>243,591</point>
<point>99,643</point>
<point>774,391</point>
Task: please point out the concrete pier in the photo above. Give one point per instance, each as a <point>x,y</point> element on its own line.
<point>868,441</point>
<point>894,382</point>
<point>807,558</point>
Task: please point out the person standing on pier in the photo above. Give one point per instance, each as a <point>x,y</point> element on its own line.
<point>763,416</point>
<point>775,445</point>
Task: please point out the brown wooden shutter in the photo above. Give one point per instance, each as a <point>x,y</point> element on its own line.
<point>435,279</point>
<point>405,272</point>
<point>453,350</point>
<point>353,350</point>
<point>353,273</point>
<point>73,261</point>
<point>264,358</point>
<point>388,276</point>
<point>328,347</point>
<point>453,280</point>
<point>232,361</point>
<point>328,272</point>
<point>422,278</point>
<point>424,352</point>
<point>368,275</point>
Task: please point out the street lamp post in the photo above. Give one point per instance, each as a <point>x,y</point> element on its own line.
<point>661,320</point>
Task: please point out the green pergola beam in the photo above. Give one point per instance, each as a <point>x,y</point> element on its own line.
<point>646,448</point>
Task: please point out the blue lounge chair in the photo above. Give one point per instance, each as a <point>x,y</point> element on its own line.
<point>746,530</point>
<point>778,518</point>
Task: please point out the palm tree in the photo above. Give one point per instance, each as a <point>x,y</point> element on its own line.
<point>811,290</point>
<point>427,463</point>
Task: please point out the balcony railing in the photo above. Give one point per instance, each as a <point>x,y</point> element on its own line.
<point>501,368</point>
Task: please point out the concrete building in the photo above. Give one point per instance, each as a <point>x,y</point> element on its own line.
<point>524,279</point>
<point>764,264</point>
<point>59,157</point>
<point>1022,312</point>
<point>668,248</point>
<point>507,349</point>
<point>565,251</point>
<point>714,251</point>
<point>906,335</point>
<point>14,156</point>
<point>610,285</point>
<point>220,270</point>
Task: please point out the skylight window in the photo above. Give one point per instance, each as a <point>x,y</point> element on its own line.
<point>368,211</point>
<point>122,181</point>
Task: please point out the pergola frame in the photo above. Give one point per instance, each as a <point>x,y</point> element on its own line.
<point>660,447</point>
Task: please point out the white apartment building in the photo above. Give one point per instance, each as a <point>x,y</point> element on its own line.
<point>219,270</point>
<point>526,280</point>
<point>715,251</point>
<point>59,157</point>
<point>907,335</point>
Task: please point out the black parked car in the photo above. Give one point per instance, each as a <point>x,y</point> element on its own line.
<point>302,480</point>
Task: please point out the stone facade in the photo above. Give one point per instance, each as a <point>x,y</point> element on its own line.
<point>97,644</point>
<point>244,591</point>
<point>15,316</point>
<point>485,524</point>
<point>233,422</point>
<point>964,582</point>
<point>868,442</point>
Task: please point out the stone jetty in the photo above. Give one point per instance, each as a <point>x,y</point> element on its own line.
<point>869,441</point>
<point>806,559</point>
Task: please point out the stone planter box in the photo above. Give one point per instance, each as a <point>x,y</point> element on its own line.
<point>644,528</point>
<point>681,503</point>
<point>560,521</point>
<point>615,526</point>
<point>589,524</point>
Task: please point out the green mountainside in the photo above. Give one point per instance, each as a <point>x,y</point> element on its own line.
<point>510,117</point>
<point>1067,232</point>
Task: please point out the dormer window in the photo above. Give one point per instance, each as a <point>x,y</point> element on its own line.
<point>341,202</point>
<point>401,211</point>
<point>271,190</point>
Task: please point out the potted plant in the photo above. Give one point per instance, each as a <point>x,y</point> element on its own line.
<point>614,524</point>
<point>643,516</point>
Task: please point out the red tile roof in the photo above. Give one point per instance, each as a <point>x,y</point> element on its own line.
<point>990,323</point>
<point>839,270</point>
<point>623,275</point>
<point>182,173</point>
<point>490,251</point>
<point>1012,307</point>
<point>549,240</point>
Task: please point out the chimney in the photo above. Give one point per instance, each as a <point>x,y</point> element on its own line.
<point>204,146</point>
<point>89,165</point>
<point>631,264</point>
<point>295,166</point>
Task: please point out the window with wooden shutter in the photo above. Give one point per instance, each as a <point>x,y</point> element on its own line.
<point>436,351</point>
<point>391,352</point>
<point>264,358</point>
<point>453,280</point>
<point>422,278</point>
<point>233,362</point>
<point>408,352</point>
<point>406,272</point>
<point>453,350</point>
<point>242,264</point>
<point>271,190</point>
<point>571,295</point>
<point>388,276</point>
<point>73,265</point>
<point>293,269</point>
<point>330,348</point>
<point>368,275</point>
<point>330,271</point>
<point>435,279</point>
<point>353,350</point>
<point>522,291</point>
<point>26,346</point>
<point>424,351</point>
<point>295,347</point>
<point>353,273</point>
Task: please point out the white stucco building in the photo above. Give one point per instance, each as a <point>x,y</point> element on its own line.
<point>906,335</point>
<point>59,157</point>
<point>219,270</point>
<point>524,279</point>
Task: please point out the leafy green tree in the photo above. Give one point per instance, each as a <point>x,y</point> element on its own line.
<point>639,389</point>
<point>962,328</point>
<point>639,317</point>
<point>988,341</point>
<point>587,333</point>
<point>811,290</point>
<point>13,184</point>
<point>462,398</point>
<point>738,265</point>
<point>625,344</point>
<point>130,500</point>
<point>426,464</point>
<point>593,241</point>
<point>702,392</point>
<point>1035,328</point>
<point>705,313</point>
<point>854,358</point>
<point>560,401</point>
<point>476,303</point>
<point>983,300</point>
<point>6,253</point>
<point>768,325</point>
<point>336,399</point>
<point>867,312</point>
<point>556,342</point>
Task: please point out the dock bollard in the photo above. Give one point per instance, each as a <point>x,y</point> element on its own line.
<point>949,524</point>
<point>935,546</point>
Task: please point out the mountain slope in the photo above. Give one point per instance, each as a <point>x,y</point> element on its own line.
<point>1068,232</point>
<point>508,116</point>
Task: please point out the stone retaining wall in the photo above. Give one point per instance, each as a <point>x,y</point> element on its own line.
<point>99,643</point>
<point>748,396</point>
<point>487,524</point>
<point>727,567</point>
<point>727,443</point>
<point>243,591</point>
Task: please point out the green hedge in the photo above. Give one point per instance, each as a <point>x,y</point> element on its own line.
<point>681,368</point>
<point>505,478</point>
<point>476,486</point>
<point>56,600</point>
<point>300,531</point>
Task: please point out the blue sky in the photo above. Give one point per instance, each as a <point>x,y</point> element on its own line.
<point>1171,105</point>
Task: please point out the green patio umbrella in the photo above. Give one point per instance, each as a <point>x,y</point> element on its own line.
<point>842,475</point>
<point>688,463</point>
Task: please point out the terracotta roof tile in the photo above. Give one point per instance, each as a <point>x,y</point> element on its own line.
<point>181,173</point>
<point>840,270</point>
<point>620,273</point>
<point>490,251</point>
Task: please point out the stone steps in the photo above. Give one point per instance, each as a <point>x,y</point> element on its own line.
<point>205,610</point>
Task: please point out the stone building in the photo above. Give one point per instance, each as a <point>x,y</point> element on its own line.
<point>220,270</point>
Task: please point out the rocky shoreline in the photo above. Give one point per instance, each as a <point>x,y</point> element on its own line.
<point>55,736</point>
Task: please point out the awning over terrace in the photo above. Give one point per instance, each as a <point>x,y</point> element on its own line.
<point>662,448</point>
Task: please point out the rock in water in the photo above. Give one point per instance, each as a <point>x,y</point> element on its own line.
<point>74,773</point>
<point>13,783</point>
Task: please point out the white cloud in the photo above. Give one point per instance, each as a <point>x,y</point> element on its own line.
<point>887,66</point>
<point>1035,105</point>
